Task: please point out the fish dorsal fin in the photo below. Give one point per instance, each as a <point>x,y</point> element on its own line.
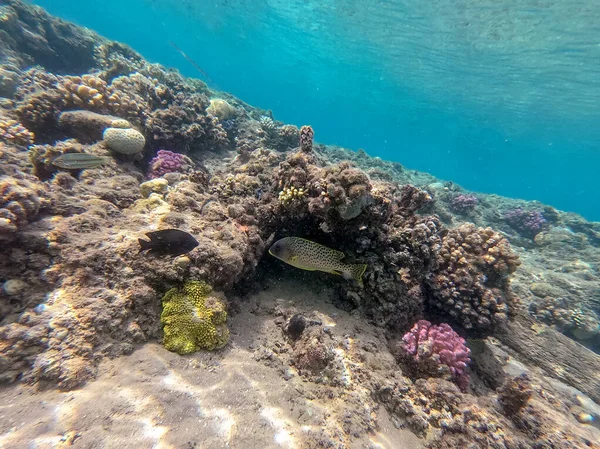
<point>338,255</point>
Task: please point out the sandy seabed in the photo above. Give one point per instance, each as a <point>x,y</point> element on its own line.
<point>228,399</point>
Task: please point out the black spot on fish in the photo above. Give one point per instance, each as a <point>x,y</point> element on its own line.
<point>168,241</point>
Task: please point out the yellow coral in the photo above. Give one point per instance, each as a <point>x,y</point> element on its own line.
<point>193,320</point>
<point>290,194</point>
<point>221,109</point>
<point>13,132</point>
<point>84,91</point>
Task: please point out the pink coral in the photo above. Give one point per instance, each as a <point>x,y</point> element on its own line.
<point>166,161</point>
<point>432,347</point>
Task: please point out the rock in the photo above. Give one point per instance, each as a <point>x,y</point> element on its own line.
<point>543,289</point>
<point>14,287</point>
<point>158,185</point>
<point>561,357</point>
<point>86,126</point>
<point>182,262</point>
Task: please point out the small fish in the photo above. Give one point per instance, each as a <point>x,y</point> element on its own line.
<point>311,256</point>
<point>78,161</point>
<point>168,241</point>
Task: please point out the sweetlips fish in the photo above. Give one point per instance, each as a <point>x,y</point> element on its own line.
<point>311,256</point>
<point>168,241</point>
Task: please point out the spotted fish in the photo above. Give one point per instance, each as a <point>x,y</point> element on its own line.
<point>311,256</point>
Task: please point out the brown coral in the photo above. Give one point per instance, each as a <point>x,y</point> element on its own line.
<point>38,100</point>
<point>184,126</point>
<point>21,199</point>
<point>470,281</point>
<point>87,91</point>
<point>13,132</point>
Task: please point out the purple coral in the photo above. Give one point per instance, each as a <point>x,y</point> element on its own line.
<point>436,349</point>
<point>463,204</point>
<point>527,223</point>
<point>166,161</point>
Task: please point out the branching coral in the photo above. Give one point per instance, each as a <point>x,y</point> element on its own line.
<point>12,131</point>
<point>470,281</point>
<point>193,320</point>
<point>87,91</point>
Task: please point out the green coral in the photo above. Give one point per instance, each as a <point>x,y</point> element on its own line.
<point>192,319</point>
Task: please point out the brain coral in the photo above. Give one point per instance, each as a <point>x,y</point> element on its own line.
<point>124,140</point>
<point>193,320</point>
<point>221,109</point>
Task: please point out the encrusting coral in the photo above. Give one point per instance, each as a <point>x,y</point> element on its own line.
<point>192,319</point>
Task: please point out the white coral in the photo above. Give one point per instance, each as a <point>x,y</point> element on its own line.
<point>124,140</point>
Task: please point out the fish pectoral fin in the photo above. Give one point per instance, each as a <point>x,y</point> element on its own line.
<point>144,245</point>
<point>339,255</point>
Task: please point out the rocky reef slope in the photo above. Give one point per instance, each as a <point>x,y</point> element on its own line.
<point>76,290</point>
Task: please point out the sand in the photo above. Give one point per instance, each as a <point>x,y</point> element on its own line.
<point>238,397</point>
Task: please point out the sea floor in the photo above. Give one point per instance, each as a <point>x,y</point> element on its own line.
<point>239,397</point>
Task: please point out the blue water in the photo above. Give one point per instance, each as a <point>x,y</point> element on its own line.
<point>500,96</point>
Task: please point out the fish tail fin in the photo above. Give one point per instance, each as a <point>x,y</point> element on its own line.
<point>144,245</point>
<point>355,272</point>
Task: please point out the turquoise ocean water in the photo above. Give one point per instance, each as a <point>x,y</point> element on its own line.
<point>500,96</point>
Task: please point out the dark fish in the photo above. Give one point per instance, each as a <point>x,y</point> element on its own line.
<point>168,241</point>
<point>78,161</point>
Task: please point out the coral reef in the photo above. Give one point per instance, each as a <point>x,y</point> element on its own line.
<point>185,127</point>
<point>75,290</point>
<point>87,126</point>
<point>437,351</point>
<point>192,319</point>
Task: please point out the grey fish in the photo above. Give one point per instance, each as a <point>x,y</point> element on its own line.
<point>168,241</point>
<point>78,161</point>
